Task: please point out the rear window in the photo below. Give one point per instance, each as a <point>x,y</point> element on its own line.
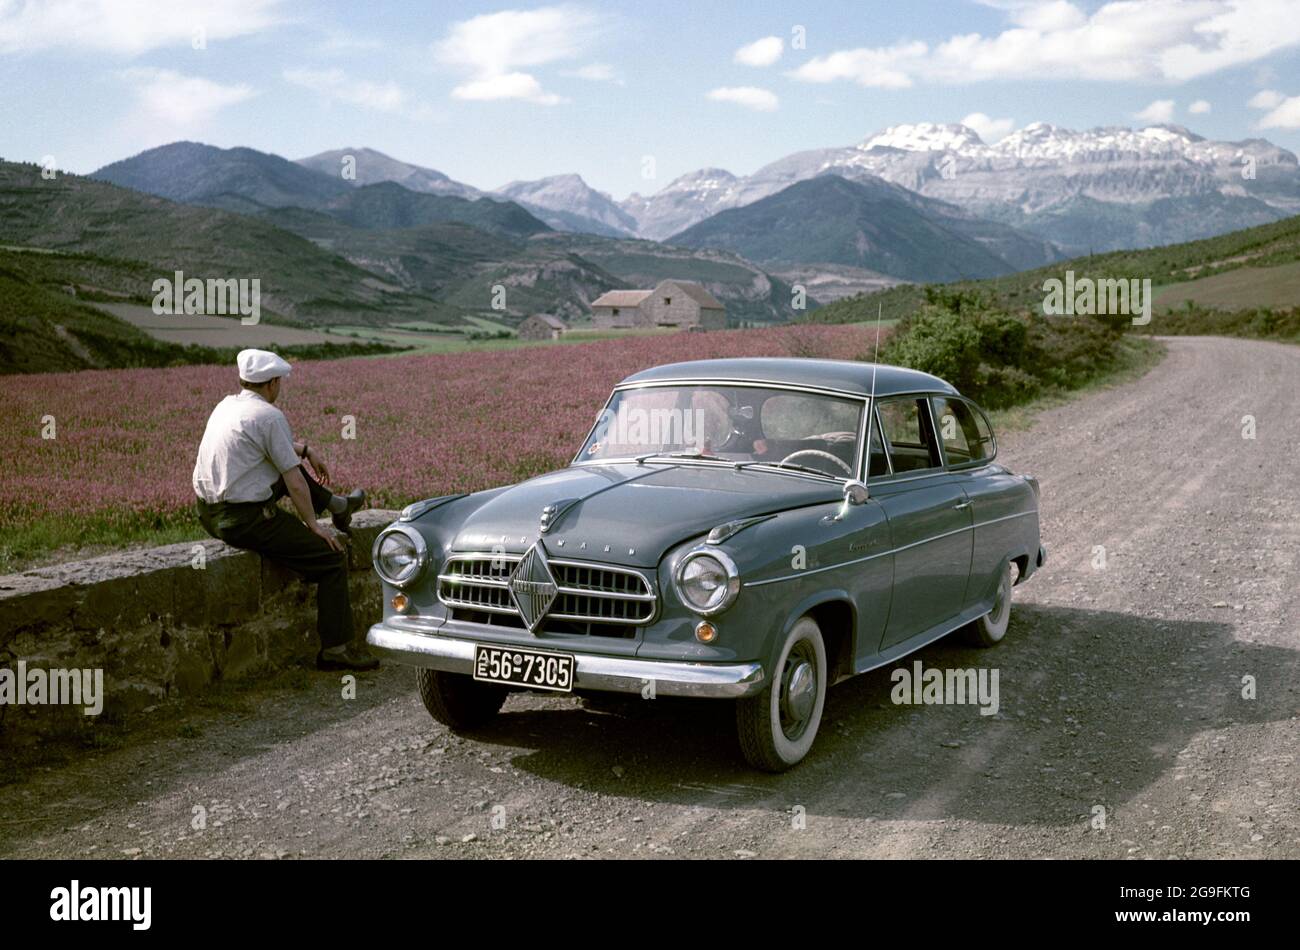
<point>963,430</point>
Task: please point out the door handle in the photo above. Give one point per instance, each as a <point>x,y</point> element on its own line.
<point>961,505</point>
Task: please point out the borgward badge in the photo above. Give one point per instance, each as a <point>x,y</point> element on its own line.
<point>532,586</point>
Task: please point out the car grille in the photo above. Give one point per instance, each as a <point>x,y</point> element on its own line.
<point>593,599</point>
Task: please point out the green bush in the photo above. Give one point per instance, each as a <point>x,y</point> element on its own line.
<point>997,358</point>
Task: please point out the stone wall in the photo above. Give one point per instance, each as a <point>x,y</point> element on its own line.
<point>159,627</point>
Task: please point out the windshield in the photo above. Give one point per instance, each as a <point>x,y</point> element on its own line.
<point>741,424</point>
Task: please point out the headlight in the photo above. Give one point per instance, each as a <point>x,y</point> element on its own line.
<point>707,581</point>
<point>399,554</point>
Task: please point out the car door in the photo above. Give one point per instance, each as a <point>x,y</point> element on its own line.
<point>997,497</point>
<point>929,522</point>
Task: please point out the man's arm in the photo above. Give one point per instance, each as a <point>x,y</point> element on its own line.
<point>301,499</point>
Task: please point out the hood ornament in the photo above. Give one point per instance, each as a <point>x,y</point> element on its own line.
<point>532,586</point>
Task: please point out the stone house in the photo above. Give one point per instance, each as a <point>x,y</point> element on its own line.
<point>541,326</point>
<point>682,304</point>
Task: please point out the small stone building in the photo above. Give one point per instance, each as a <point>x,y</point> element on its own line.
<point>541,326</point>
<point>682,304</point>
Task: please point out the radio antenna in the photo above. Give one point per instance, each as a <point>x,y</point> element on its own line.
<point>871,406</point>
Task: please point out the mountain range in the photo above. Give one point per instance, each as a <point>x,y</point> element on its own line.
<point>1099,189</point>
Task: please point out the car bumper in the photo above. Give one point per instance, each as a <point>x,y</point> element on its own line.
<point>616,674</point>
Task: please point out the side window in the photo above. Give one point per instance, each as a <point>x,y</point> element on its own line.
<point>964,431</point>
<point>878,465</point>
<point>906,424</point>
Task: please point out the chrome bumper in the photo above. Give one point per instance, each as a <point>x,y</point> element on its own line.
<point>608,673</point>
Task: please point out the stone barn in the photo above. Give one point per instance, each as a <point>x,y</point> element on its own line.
<point>682,304</point>
<point>541,326</point>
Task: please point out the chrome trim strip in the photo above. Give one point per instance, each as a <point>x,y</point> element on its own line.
<point>872,557</point>
<point>611,674</point>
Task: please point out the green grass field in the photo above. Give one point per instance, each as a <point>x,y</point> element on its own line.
<point>1240,289</point>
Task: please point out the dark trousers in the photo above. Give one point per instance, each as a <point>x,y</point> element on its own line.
<point>265,527</point>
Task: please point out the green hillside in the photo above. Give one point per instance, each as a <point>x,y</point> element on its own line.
<point>1260,248</point>
<point>298,279</point>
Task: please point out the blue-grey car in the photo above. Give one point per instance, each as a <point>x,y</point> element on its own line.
<point>723,532</point>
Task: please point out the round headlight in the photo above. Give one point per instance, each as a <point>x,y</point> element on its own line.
<point>398,555</point>
<point>707,581</point>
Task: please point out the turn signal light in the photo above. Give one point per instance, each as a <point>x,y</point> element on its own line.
<point>705,632</point>
<point>400,603</point>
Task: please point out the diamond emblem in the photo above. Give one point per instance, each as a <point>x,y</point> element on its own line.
<point>532,586</point>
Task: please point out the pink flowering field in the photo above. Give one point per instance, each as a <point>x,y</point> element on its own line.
<point>119,465</point>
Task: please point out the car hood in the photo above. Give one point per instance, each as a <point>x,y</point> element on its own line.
<point>631,514</point>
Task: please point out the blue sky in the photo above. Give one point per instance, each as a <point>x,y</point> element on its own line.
<point>490,92</point>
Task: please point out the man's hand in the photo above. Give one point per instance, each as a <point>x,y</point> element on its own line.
<point>318,466</point>
<point>301,498</point>
<point>329,536</point>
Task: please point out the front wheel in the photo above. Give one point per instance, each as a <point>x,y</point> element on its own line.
<point>777,727</point>
<point>459,701</point>
<point>989,630</point>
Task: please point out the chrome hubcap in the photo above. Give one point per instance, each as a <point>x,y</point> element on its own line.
<point>798,690</point>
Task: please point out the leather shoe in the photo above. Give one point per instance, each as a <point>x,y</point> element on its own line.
<point>343,520</point>
<point>349,656</point>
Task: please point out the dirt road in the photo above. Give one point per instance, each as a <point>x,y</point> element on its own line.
<point>1125,727</point>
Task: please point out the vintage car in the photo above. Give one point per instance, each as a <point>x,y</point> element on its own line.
<point>721,533</point>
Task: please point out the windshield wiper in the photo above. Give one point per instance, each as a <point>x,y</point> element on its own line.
<point>790,466</point>
<point>641,459</point>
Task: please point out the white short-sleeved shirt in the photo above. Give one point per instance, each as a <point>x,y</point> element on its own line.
<point>246,447</point>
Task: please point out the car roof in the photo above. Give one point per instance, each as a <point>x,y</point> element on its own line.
<point>841,375</point>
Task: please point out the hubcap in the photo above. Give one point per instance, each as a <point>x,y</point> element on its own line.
<point>798,690</point>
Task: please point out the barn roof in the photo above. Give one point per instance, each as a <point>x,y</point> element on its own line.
<point>621,298</point>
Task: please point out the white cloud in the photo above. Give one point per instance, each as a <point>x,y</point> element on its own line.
<point>1160,111</point>
<point>751,97</point>
<point>595,72</point>
<point>762,52</point>
<point>336,84</point>
<point>1266,99</point>
<point>186,102</point>
<point>1199,107</point>
<point>1284,114</point>
<point>506,86</point>
<point>887,68</point>
<point>494,50</point>
<point>126,27</point>
<point>990,130</point>
<point>1119,41</point>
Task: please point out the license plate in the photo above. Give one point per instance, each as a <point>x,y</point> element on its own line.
<point>530,668</point>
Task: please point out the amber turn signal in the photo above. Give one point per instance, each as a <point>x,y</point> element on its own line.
<point>400,602</point>
<point>705,632</point>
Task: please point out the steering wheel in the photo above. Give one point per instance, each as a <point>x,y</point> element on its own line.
<point>820,454</point>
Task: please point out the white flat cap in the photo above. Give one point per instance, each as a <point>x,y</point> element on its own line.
<point>259,366</point>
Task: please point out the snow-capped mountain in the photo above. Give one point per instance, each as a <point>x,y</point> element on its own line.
<point>567,203</point>
<point>372,167</point>
<point>1098,189</point>
<point>684,201</point>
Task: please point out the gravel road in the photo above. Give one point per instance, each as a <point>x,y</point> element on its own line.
<point>1125,729</point>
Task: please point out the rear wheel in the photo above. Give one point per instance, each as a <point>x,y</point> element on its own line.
<point>989,630</point>
<point>459,701</point>
<point>777,727</point>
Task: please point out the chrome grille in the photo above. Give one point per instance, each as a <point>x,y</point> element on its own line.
<point>587,593</point>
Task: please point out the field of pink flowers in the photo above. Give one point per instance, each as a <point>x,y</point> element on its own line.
<point>125,440</point>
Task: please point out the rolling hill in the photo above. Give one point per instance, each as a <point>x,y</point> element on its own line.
<point>298,279</point>
<point>1210,272</point>
<point>869,224</point>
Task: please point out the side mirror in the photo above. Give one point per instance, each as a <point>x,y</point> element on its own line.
<point>855,493</point>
